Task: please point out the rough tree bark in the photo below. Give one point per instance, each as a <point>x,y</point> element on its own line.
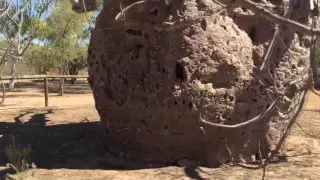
<point>150,86</point>
<point>14,64</point>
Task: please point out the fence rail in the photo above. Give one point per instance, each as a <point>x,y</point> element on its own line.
<point>42,76</point>
<point>45,79</point>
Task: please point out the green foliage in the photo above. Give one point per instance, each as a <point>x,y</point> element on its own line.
<point>100,4</point>
<point>22,68</point>
<point>29,17</point>
<point>6,24</point>
<point>63,36</point>
<point>17,155</point>
<point>35,25</point>
<point>40,59</point>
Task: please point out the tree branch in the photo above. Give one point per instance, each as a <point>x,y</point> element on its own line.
<point>270,48</point>
<point>24,6</point>
<point>10,54</point>
<point>259,10</point>
<point>4,33</point>
<point>130,6</point>
<point>6,9</point>
<point>239,125</point>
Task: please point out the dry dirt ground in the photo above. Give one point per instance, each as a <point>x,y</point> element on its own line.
<point>67,141</point>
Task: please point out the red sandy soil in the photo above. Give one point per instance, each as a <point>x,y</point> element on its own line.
<point>67,143</point>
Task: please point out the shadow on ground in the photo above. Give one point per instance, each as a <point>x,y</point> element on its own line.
<point>75,145</point>
<point>72,146</point>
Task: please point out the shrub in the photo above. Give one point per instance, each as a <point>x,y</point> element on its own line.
<point>17,155</point>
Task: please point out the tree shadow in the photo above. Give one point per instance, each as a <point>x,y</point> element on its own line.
<point>75,146</point>
<point>78,145</point>
<point>38,119</point>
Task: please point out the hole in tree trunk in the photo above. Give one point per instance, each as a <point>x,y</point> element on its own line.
<point>179,72</point>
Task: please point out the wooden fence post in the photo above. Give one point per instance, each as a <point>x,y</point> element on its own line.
<point>61,84</point>
<point>46,99</point>
<point>46,84</point>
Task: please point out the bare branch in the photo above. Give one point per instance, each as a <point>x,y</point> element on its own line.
<point>25,44</point>
<point>9,39</point>
<point>13,20</point>
<point>9,54</point>
<point>132,5</point>
<point>313,136</point>
<point>44,8</point>
<point>270,48</point>
<point>247,166</point>
<point>254,7</point>
<point>229,151</point>
<point>86,13</point>
<point>259,10</point>
<point>6,49</point>
<point>239,125</point>
<point>264,163</point>
<point>23,7</point>
<point>6,9</point>
<point>286,132</point>
<point>165,26</point>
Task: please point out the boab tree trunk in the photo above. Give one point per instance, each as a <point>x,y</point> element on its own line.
<point>150,86</point>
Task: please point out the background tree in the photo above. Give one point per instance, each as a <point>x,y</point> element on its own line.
<point>63,39</point>
<point>20,25</point>
<point>54,34</point>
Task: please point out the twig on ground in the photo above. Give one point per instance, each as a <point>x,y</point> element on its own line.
<point>247,166</point>
<point>313,136</point>
<point>230,154</point>
<point>286,132</point>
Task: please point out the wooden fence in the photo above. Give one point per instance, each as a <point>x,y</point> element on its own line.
<point>45,78</point>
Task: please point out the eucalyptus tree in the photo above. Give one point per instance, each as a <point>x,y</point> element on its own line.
<point>21,22</point>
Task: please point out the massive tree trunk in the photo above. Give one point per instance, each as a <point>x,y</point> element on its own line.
<point>150,86</point>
